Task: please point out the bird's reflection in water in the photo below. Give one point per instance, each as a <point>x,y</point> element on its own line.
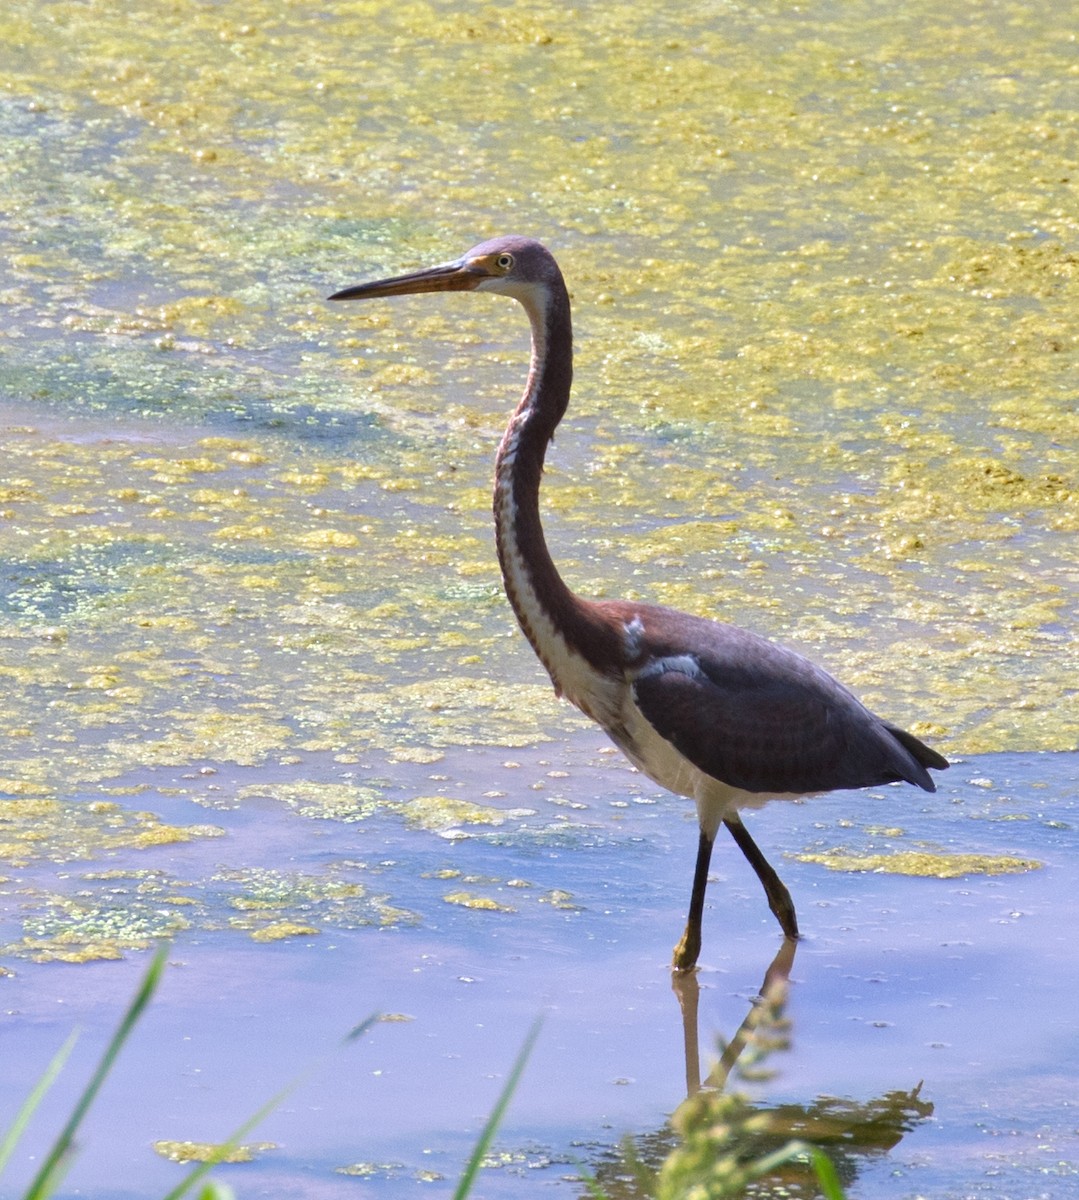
<point>765,1008</point>
<point>715,1121</point>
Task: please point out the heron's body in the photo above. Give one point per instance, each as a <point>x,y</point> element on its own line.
<point>706,710</point>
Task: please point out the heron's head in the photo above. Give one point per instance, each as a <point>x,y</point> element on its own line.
<point>515,266</point>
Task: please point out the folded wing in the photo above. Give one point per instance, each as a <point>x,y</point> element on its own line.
<point>760,717</point>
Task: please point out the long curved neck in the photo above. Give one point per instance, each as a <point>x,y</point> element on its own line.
<point>552,618</point>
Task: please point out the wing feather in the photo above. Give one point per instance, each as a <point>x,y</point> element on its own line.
<point>764,719</point>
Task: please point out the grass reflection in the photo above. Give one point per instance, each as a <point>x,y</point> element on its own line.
<point>720,1143</point>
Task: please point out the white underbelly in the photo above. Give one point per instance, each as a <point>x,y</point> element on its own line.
<point>657,758</point>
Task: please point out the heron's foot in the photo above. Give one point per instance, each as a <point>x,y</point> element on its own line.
<point>783,909</point>
<point>687,950</point>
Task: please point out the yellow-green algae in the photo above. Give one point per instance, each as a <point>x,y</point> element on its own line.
<point>352,802</point>
<point>329,801</point>
<point>364,1170</point>
<point>823,261</point>
<point>44,827</point>
<point>445,812</point>
<point>201,1152</point>
<point>274,905</point>
<point>482,903</point>
<point>915,862</point>
<point>121,910</point>
<point>93,925</point>
<point>279,931</point>
<point>556,898</point>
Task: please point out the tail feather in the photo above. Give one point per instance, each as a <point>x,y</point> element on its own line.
<point>923,757</point>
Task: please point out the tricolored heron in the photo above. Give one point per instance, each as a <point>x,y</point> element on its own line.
<point>707,710</point>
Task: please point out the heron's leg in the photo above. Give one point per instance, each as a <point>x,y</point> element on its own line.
<point>685,953</point>
<point>779,899</point>
<point>685,986</point>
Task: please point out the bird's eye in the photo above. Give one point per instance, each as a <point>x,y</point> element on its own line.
<point>504,262</point>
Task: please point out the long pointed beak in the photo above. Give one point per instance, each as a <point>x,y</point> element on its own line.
<point>450,277</point>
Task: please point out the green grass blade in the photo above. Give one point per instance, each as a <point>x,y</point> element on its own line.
<point>226,1147</point>
<point>59,1157</point>
<point>827,1176</point>
<point>217,1191</point>
<point>22,1117</point>
<point>358,1031</point>
<point>497,1113</point>
<point>821,1163</point>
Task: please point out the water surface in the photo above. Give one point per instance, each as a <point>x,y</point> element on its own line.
<point>262,694</point>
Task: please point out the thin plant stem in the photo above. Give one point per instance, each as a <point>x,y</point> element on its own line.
<point>59,1157</point>
<point>226,1147</point>
<point>821,1163</point>
<point>497,1113</point>
<point>827,1176</point>
<point>22,1117</point>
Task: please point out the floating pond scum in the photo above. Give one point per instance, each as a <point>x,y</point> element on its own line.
<point>261,692</point>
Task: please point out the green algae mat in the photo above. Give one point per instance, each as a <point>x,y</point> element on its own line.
<point>824,265</point>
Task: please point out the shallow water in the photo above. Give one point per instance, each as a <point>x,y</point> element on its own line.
<point>946,1001</point>
<point>262,694</point>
